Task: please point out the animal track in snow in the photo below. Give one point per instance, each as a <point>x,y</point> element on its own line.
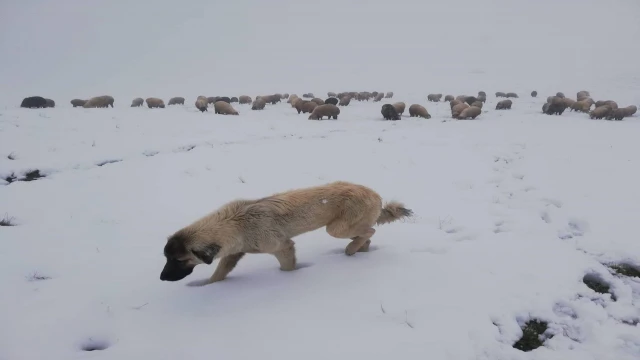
<point>554,202</point>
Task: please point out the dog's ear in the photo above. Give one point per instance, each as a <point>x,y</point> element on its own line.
<point>207,253</point>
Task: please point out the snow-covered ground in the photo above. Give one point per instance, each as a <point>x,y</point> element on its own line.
<point>512,211</point>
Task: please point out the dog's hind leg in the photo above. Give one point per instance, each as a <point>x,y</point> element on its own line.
<point>287,256</point>
<point>225,265</point>
<point>360,243</point>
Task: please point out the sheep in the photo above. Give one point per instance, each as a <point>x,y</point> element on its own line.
<point>291,98</point>
<point>331,94</point>
<point>212,99</point>
<point>399,107</point>
<point>470,99</point>
<point>613,104</point>
<point>50,103</point>
<point>176,101</point>
<point>560,95</point>
<point>32,102</point>
<point>278,96</point>
<point>448,98</point>
<point>285,96</point>
<point>318,101</point>
<point>621,113</point>
<point>332,101</point>
<point>582,94</point>
<point>455,102</point>
<point>378,97</point>
<point>202,103</point>
<point>345,100</point>
<point>534,93</point>
<point>389,112</point>
<point>155,103</point>
<point>511,95</point>
<point>244,99</point>
<point>78,102</point>
<point>375,94</point>
<point>482,93</point>
<point>600,112</point>
<point>389,95</point>
<point>556,106</point>
<point>224,108</point>
<point>99,102</point>
<point>482,98</point>
<point>273,99</point>
<point>417,110</point>
<point>434,97</point>
<point>461,97</point>
<point>328,110</point>
<point>203,97</point>
<point>457,109</point>
<point>307,107</point>
<point>234,99</point>
<point>308,96</point>
<point>582,106</point>
<point>501,94</point>
<point>568,101</point>
<point>470,112</point>
<point>223,98</point>
<point>545,107</point>
<point>478,103</point>
<point>504,105</point>
<point>258,104</point>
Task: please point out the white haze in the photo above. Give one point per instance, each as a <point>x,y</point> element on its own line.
<point>68,49</point>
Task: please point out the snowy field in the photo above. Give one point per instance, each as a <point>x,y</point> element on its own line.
<point>513,211</point>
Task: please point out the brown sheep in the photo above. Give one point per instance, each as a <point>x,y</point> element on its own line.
<point>600,112</point>
<point>318,101</point>
<point>291,98</point>
<point>331,94</point>
<point>176,101</point>
<point>477,103</point>
<point>504,105</point>
<point>295,100</point>
<point>621,113</point>
<point>305,106</point>
<point>613,104</point>
<point>449,98</point>
<point>511,95</point>
<point>417,110</point>
<point>99,102</point>
<point>328,110</point>
<point>457,109</point>
<point>501,94</point>
<point>469,113</point>
<point>631,110</point>
<point>434,97</point>
<point>224,108</point>
<point>155,103</point>
<point>378,97</point>
<point>273,99</point>
<point>299,103</point>
<point>278,96</point>
<point>259,104</point>
<point>78,102</point>
<point>455,102</point>
<point>568,101</point>
<point>202,104</point>
<point>345,100</point>
<point>582,94</point>
<point>389,95</point>
<point>244,99</point>
<point>462,97</point>
<point>582,106</point>
<point>549,98</point>
<point>399,106</point>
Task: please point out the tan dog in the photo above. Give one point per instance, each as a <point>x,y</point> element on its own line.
<point>267,225</point>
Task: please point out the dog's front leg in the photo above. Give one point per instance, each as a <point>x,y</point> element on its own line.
<point>225,265</point>
<point>287,256</point>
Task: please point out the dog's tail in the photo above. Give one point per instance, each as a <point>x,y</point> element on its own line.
<point>393,211</point>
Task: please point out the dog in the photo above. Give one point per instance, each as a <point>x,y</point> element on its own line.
<point>267,225</point>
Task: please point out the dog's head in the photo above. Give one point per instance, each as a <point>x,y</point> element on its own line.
<point>183,254</point>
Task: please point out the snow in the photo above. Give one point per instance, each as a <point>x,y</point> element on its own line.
<point>512,210</point>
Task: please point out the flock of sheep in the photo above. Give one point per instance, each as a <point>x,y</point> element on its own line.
<point>463,107</point>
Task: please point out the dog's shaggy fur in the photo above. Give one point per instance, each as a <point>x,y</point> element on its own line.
<point>268,225</point>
